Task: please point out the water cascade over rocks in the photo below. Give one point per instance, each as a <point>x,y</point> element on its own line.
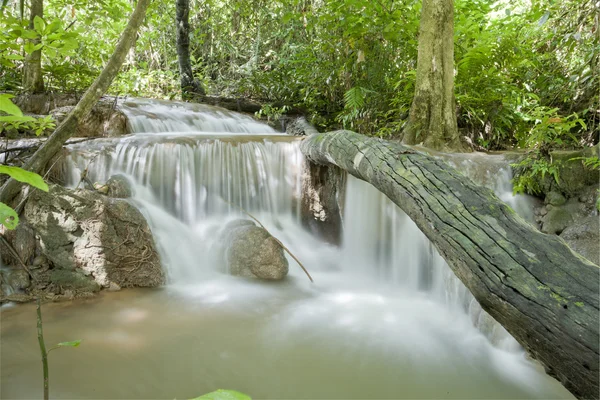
<point>385,318</point>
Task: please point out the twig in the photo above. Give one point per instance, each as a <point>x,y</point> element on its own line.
<point>277,240</point>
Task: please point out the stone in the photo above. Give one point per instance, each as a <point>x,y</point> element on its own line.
<point>250,251</point>
<point>75,281</point>
<point>557,219</point>
<point>89,237</point>
<point>119,187</point>
<point>113,287</point>
<point>555,198</point>
<point>584,238</point>
<point>18,279</point>
<point>22,240</point>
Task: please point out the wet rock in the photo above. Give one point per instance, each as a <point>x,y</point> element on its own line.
<point>18,297</point>
<point>555,198</point>
<point>299,127</point>
<point>252,252</point>
<point>113,287</point>
<point>119,187</point>
<point>556,220</point>
<point>104,120</point>
<point>74,281</point>
<point>18,279</point>
<point>93,240</point>
<point>22,240</point>
<point>323,190</point>
<point>584,238</point>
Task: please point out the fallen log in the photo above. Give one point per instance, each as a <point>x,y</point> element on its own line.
<point>532,283</point>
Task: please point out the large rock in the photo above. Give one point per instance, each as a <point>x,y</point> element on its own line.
<point>119,187</point>
<point>104,120</point>
<point>584,238</point>
<point>252,252</point>
<point>87,236</point>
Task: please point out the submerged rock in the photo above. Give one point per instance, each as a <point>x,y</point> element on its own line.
<point>91,241</point>
<point>251,251</point>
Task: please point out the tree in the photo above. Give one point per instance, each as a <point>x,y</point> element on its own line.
<point>44,154</point>
<point>32,68</point>
<point>544,294</point>
<point>432,118</point>
<point>189,85</point>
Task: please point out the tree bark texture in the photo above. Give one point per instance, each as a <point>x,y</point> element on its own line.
<point>33,81</point>
<point>189,85</point>
<point>533,284</point>
<point>44,154</point>
<point>432,118</point>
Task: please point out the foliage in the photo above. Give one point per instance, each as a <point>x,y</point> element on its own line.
<point>8,217</point>
<point>346,62</point>
<point>222,394</point>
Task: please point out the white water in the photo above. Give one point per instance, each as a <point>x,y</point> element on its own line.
<point>385,318</point>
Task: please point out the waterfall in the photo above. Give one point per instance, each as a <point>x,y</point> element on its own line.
<point>189,180</point>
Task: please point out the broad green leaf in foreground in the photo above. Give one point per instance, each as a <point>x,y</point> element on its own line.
<point>21,175</point>
<point>223,394</point>
<point>8,217</point>
<point>7,106</point>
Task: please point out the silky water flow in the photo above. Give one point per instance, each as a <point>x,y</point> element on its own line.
<point>385,318</point>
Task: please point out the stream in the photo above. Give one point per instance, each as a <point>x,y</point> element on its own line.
<point>386,318</point>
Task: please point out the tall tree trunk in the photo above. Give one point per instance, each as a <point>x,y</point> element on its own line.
<point>44,154</point>
<point>432,118</point>
<point>190,87</point>
<point>32,68</point>
<point>533,284</point>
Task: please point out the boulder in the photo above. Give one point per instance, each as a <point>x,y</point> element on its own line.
<point>584,238</point>
<point>556,220</point>
<point>90,241</point>
<point>250,251</point>
<point>555,198</point>
<point>119,187</point>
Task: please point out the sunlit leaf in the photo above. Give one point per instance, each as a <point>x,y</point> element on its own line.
<point>8,217</point>
<point>7,106</point>
<point>74,343</point>
<point>223,394</point>
<point>21,175</point>
<point>38,24</point>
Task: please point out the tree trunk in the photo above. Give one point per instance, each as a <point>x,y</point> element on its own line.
<point>190,87</point>
<point>64,131</point>
<point>533,284</point>
<point>32,68</point>
<point>432,118</point>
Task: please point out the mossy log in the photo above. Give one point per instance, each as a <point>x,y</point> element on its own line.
<point>532,283</point>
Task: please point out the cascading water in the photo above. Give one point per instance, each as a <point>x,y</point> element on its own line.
<point>385,318</point>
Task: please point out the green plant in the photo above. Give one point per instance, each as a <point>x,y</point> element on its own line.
<point>532,170</point>
<point>222,394</point>
<point>8,217</point>
<point>40,335</point>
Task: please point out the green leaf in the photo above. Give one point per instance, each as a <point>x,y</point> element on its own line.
<point>8,217</point>
<point>16,118</point>
<point>28,34</point>
<point>38,24</point>
<point>223,394</point>
<point>7,106</point>
<point>74,343</point>
<point>29,47</point>
<point>21,175</point>
<point>53,26</point>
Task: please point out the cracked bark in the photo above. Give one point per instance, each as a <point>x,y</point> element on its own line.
<point>533,284</point>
